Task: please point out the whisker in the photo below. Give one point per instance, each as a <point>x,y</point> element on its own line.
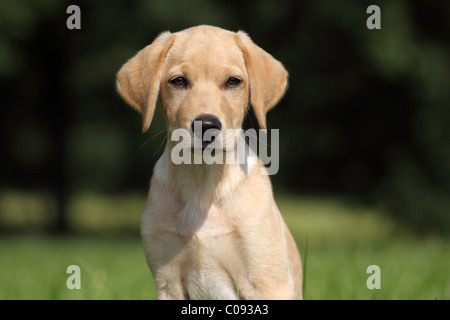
<point>155,135</point>
<point>159,148</point>
<point>251,121</point>
<point>259,140</point>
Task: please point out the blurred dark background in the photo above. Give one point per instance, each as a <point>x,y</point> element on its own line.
<point>366,115</point>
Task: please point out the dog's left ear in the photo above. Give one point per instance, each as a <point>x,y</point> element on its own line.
<point>138,80</point>
<point>268,77</point>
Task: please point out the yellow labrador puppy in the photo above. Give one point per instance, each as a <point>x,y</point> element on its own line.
<point>211,231</point>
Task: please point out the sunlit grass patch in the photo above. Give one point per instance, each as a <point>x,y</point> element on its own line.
<point>341,240</point>
<point>111,268</point>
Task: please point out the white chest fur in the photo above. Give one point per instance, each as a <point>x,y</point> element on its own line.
<point>198,252</point>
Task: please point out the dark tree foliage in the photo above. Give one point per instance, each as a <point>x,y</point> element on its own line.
<point>366,114</point>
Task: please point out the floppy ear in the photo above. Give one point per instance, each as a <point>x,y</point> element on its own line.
<point>268,77</point>
<point>139,78</point>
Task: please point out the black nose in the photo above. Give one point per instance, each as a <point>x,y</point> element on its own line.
<point>208,121</point>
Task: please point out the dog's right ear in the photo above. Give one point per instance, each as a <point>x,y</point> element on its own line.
<point>138,80</point>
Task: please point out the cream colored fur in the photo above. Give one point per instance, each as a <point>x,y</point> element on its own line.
<point>211,231</point>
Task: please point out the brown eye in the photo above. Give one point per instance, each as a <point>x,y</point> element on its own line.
<point>233,82</point>
<point>179,82</point>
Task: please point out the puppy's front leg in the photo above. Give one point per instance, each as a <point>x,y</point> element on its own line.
<point>172,290</point>
<point>265,291</point>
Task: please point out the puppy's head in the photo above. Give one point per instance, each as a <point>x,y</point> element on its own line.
<point>206,77</point>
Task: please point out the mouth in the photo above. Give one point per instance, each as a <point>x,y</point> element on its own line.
<point>206,143</point>
<point>207,146</point>
<point>223,142</point>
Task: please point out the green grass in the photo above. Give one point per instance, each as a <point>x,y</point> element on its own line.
<point>341,241</point>
<point>111,268</point>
